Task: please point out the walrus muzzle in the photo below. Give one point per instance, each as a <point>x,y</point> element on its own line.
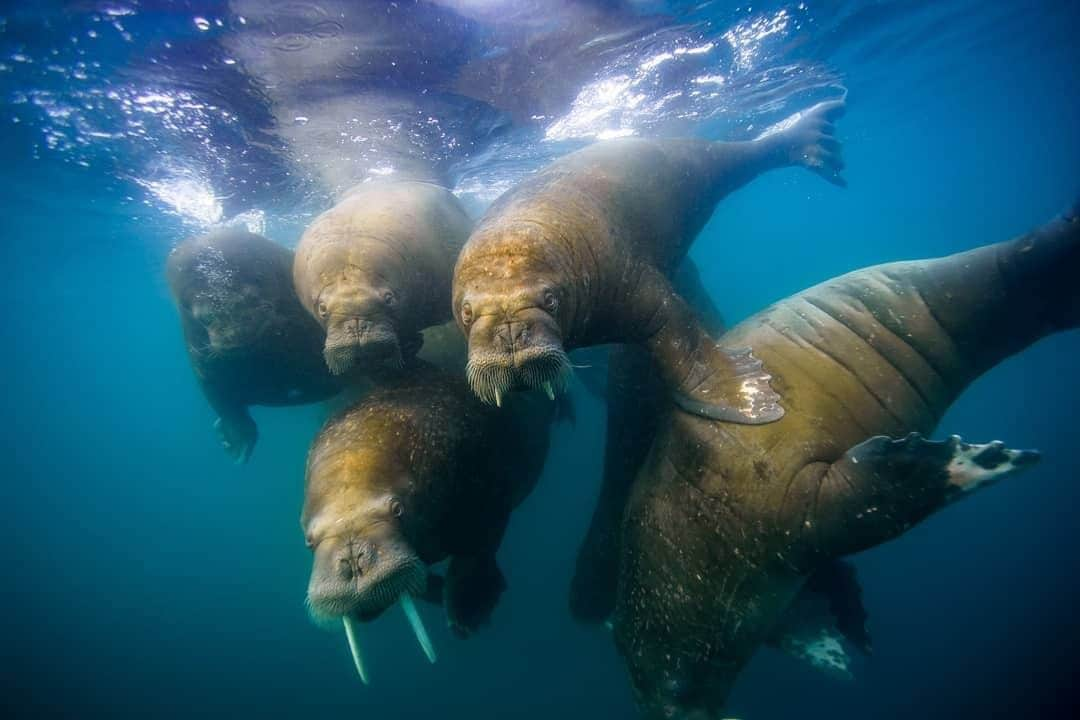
<point>355,576</point>
<point>523,353</point>
<point>356,341</point>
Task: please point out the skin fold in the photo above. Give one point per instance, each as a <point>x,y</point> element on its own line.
<point>374,271</point>
<point>582,253</point>
<point>726,522</point>
<point>248,339</point>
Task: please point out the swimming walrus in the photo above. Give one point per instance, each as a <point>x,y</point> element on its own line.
<point>375,270</point>
<point>726,521</point>
<point>249,340</point>
<point>417,471</point>
<point>582,252</point>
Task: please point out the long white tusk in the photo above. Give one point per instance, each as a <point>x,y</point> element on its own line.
<point>417,626</point>
<point>354,646</point>
<point>549,390</point>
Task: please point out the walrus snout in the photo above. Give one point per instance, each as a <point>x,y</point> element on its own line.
<point>360,577</point>
<point>524,351</point>
<point>361,341</point>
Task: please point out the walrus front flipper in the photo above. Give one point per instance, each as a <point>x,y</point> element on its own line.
<point>238,434</point>
<point>825,620</point>
<point>705,378</point>
<point>882,487</point>
<point>732,387</point>
<point>473,586</point>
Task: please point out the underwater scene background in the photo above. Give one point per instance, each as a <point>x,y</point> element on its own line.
<point>148,576</point>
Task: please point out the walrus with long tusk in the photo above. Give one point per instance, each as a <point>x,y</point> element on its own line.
<point>726,521</point>
<point>581,253</point>
<point>417,471</point>
<point>249,340</point>
<point>375,270</point>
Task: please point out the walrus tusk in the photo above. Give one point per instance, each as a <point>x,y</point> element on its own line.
<point>417,626</point>
<point>354,647</point>
<point>549,390</point>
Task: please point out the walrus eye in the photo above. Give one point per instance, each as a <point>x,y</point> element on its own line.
<point>396,508</point>
<point>388,298</point>
<point>323,310</point>
<point>551,303</point>
<point>466,313</point>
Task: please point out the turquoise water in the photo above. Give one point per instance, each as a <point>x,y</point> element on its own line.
<point>150,577</point>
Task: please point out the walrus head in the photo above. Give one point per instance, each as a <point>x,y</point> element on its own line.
<point>513,319</point>
<point>232,321</point>
<point>360,316</point>
<point>363,525</point>
<point>228,285</point>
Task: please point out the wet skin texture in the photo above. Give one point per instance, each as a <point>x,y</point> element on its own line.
<point>249,340</point>
<point>581,254</point>
<point>726,521</point>
<point>417,471</point>
<point>375,271</point>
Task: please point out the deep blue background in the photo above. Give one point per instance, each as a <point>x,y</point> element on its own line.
<point>147,576</point>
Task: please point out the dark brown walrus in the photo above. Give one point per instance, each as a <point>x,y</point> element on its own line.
<point>417,471</point>
<point>726,521</point>
<point>249,340</point>
<point>375,270</point>
<point>582,253</point>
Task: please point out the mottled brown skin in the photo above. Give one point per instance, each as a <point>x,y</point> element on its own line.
<point>636,400</point>
<point>249,340</point>
<point>418,471</point>
<point>581,254</point>
<point>375,270</point>
<point>726,521</point>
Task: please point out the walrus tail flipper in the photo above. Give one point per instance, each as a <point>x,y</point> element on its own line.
<point>882,487</point>
<point>808,139</point>
<point>825,619</point>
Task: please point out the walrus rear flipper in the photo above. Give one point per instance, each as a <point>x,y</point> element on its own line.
<point>825,619</point>
<point>882,487</point>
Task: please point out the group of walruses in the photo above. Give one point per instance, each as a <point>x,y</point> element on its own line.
<point>740,466</point>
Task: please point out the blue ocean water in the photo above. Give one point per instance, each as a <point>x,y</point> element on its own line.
<point>150,577</point>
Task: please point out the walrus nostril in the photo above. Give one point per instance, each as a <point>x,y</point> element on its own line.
<point>345,569</point>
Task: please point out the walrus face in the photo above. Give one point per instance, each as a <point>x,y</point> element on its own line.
<point>360,319</point>
<point>234,320</point>
<point>362,562</point>
<point>515,340</point>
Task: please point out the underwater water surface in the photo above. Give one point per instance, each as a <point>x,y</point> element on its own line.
<point>148,576</point>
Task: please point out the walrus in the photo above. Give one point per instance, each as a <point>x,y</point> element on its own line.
<point>581,254</point>
<point>375,270</point>
<point>725,521</point>
<point>248,339</point>
<point>417,471</point>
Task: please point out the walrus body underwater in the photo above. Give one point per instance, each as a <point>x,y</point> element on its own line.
<point>249,340</point>
<point>375,270</point>
<point>582,253</point>
<point>726,521</point>
<point>417,471</point>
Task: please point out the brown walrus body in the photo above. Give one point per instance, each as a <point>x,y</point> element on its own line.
<point>249,340</point>
<point>375,270</point>
<point>726,521</point>
<point>417,471</point>
<point>582,252</point>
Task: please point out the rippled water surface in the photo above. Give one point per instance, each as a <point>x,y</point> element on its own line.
<point>148,577</point>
